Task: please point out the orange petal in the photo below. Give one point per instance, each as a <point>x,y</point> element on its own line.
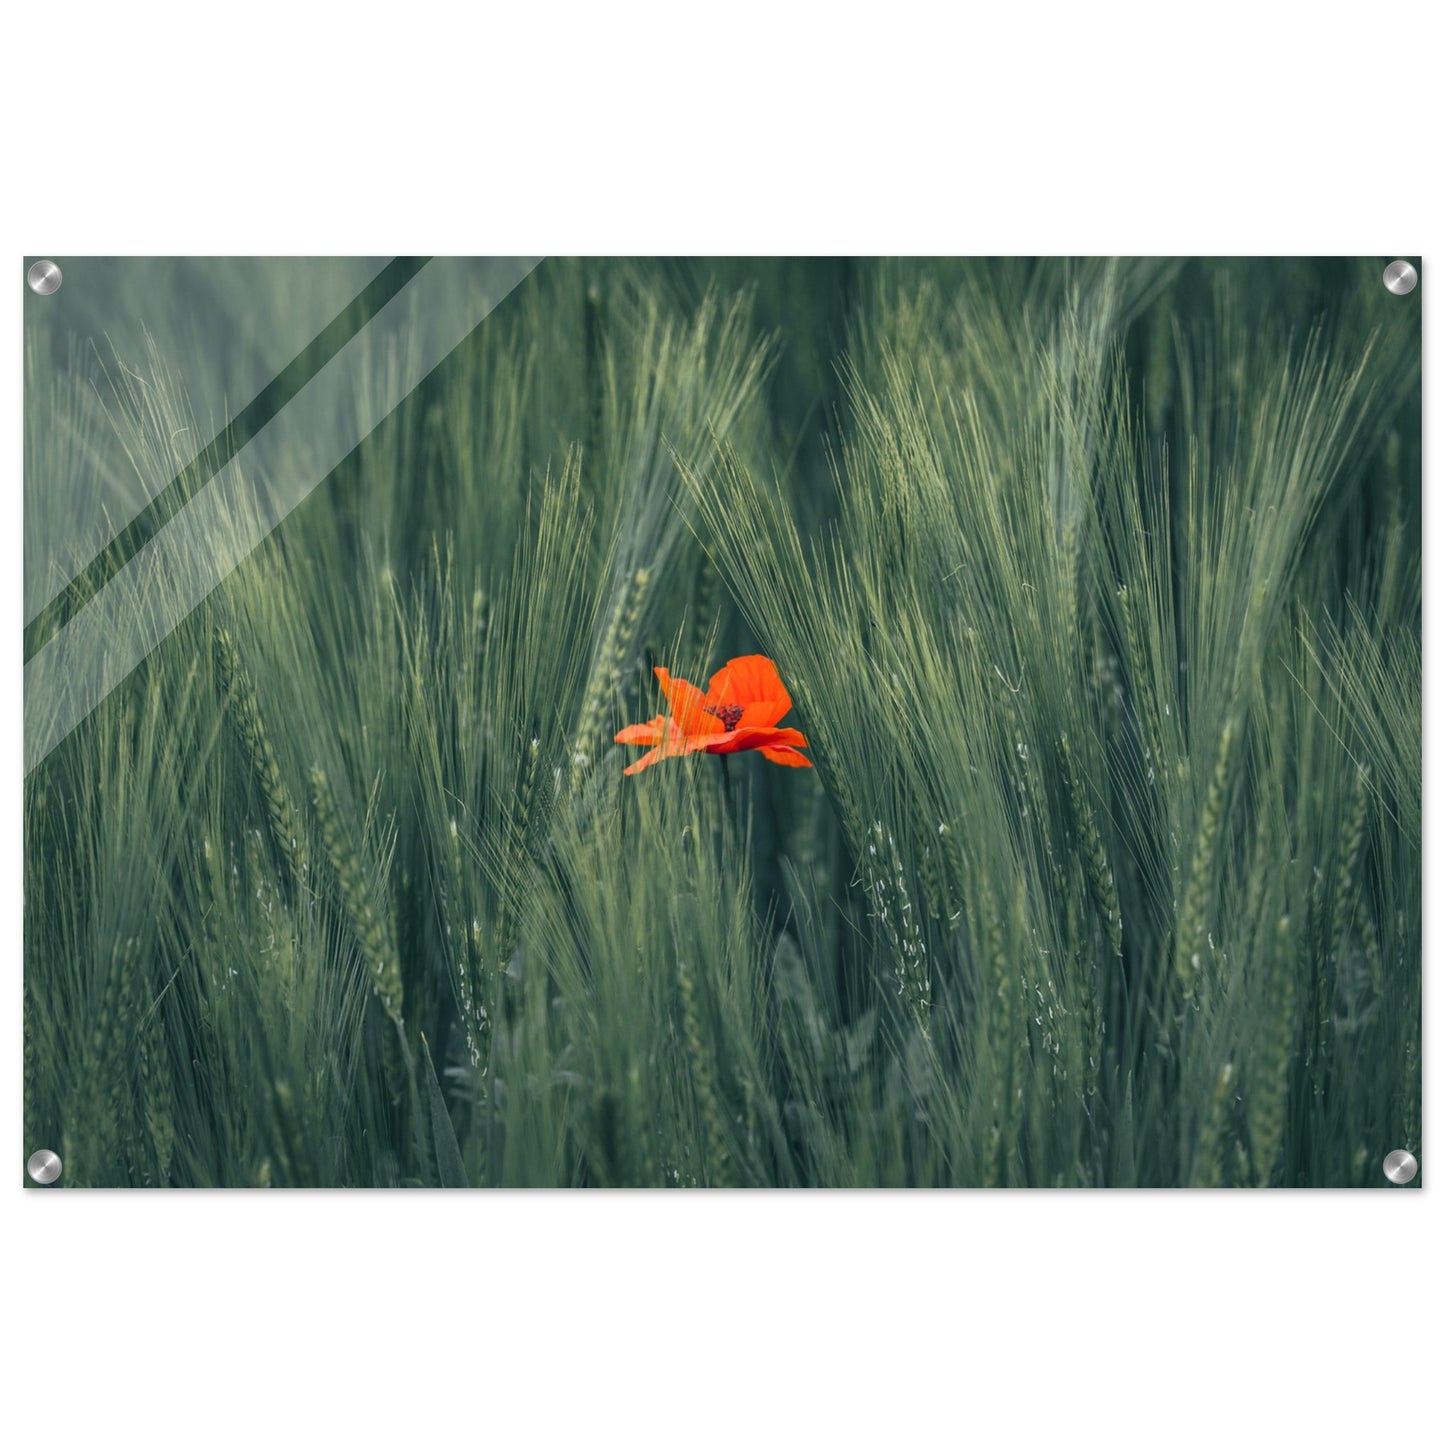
<point>643,734</point>
<point>645,761</point>
<point>788,757</point>
<point>744,738</point>
<point>753,684</point>
<point>687,703</point>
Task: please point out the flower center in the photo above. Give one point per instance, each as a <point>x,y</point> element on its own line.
<point>729,712</point>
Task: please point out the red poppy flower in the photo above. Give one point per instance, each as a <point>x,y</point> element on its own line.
<point>738,713</point>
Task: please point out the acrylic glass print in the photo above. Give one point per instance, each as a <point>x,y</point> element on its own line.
<point>722,723</point>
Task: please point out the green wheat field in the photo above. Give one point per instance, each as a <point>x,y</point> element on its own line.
<point>1096,586</point>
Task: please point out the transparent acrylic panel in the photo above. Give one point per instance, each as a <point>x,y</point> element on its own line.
<point>832,722</point>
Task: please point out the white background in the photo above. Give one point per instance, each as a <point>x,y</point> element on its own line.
<point>746,128</point>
